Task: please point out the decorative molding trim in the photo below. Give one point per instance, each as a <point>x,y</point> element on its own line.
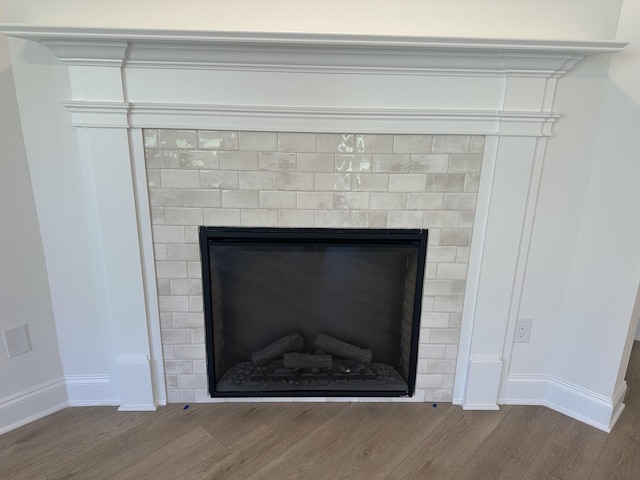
<point>90,390</point>
<point>482,382</point>
<point>576,402</point>
<point>99,114</point>
<point>134,379</point>
<point>618,403</point>
<point>243,117</point>
<point>32,404</point>
<point>303,52</point>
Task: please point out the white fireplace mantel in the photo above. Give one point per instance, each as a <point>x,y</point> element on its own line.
<point>122,80</point>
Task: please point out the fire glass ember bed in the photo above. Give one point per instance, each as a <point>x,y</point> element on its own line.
<point>312,312</point>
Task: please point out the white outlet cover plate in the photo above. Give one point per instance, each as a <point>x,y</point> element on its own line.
<point>16,340</point>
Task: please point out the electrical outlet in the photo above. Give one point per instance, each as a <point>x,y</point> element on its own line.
<point>523,330</point>
<point>16,340</point>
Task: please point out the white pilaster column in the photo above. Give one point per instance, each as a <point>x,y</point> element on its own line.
<point>105,145</point>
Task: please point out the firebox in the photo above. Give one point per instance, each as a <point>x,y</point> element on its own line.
<point>312,312</point>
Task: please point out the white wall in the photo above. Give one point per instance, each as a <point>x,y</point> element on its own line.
<point>572,19</point>
<point>65,199</point>
<point>606,270</point>
<point>564,183</point>
<point>31,383</point>
<point>584,268</point>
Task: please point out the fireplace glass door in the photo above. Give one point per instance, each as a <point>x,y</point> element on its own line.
<point>312,312</point>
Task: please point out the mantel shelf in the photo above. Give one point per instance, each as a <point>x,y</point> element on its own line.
<point>451,44</point>
<point>305,51</point>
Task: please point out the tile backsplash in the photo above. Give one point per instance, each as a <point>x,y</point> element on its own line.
<point>278,179</point>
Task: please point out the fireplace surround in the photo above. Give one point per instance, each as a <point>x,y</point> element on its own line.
<point>124,80</point>
<point>305,180</point>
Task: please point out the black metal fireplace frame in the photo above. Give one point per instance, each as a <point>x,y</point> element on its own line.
<point>312,236</point>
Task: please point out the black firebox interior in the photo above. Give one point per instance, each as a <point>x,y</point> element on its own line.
<point>312,312</point>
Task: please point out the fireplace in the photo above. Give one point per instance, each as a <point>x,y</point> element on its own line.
<point>146,314</point>
<point>331,312</point>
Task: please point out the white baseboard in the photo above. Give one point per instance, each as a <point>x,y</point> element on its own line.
<point>32,404</point>
<point>90,390</point>
<point>571,400</point>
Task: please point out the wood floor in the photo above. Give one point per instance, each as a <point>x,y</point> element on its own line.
<point>310,441</point>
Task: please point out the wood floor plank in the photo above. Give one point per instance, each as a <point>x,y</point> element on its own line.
<point>556,462</point>
<point>40,452</point>
<point>308,457</point>
<point>570,452</point>
<point>110,456</point>
<point>448,446</point>
<point>172,459</point>
<point>238,461</point>
<point>318,441</point>
<point>507,452</point>
<point>620,456</point>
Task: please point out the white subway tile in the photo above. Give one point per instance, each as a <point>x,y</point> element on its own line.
<point>459,201</point>
<point>391,163</point>
<point>368,219</point>
<point>255,217</point>
<point>295,218</point>
<point>164,197</point>
<point>150,136</point>
<point>433,163</point>
<point>182,395</point>
<point>412,143</point>
<point>186,286</point>
<point>370,182</point>
<point>177,138</point>
<point>221,216</point>
<point>218,140</point>
<point>221,179</point>
<point>332,219</point>
<point>257,180</point>
<point>336,143</point>
<point>351,200</point>
<point>404,219</point>
<point>201,198</point>
<point>258,141</point>
<point>277,161</point>
<point>409,182</point>
<point>374,143</point>
<point>190,352</point>
<point>425,201</point>
<point>199,160</point>
<point>240,199</point>
<point>297,142</point>
<point>315,162</point>
<point>173,303</point>
<point>388,201</point>
<point>315,200</point>
<point>188,319</point>
<point>168,234</point>
<point>465,163</point>
<point>451,143</point>
<point>295,181</point>
<point>171,269</point>
<point>452,271</point>
<point>445,183</point>
<point>183,216</point>
<point>332,181</point>
<point>441,219</point>
<point>238,160</point>
<point>278,200</point>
